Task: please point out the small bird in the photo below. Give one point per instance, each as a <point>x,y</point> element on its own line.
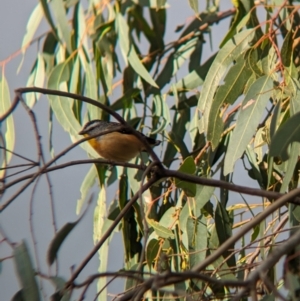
<point>119,145</point>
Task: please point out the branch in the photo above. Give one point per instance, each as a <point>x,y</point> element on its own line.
<point>44,168</point>
<point>109,231</point>
<point>271,195</point>
<point>270,261</point>
<point>105,108</point>
<point>255,221</point>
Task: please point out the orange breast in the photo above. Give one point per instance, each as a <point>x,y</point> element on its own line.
<point>117,146</point>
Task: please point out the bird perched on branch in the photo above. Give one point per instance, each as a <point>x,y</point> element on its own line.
<point>119,145</point>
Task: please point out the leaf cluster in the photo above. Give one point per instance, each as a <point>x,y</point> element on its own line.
<point>183,236</point>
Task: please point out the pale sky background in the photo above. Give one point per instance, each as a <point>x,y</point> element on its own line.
<point>14,15</point>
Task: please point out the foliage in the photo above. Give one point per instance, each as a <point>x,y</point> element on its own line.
<point>183,236</point>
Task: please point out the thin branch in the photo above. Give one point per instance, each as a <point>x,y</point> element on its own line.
<point>44,168</point>
<point>270,261</point>
<point>109,231</point>
<point>74,163</point>
<point>11,109</point>
<point>255,221</point>
<point>107,109</point>
<point>223,184</point>
<point>18,155</point>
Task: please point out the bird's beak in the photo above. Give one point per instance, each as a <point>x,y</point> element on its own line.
<point>82,132</point>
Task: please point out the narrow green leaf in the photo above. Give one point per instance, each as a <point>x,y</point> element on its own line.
<point>291,164</point>
<point>194,6</point>
<point>240,19</point>
<point>87,184</point>
<point>75,75</point>
<point>63,106</point>
<point>178,132</point>
<point>233,48</point>
<point>106,63</point>
<point>25,272</point>
<point>91,89</point>
<point>162,111</point>
<point>185,213</point>
<point>174,62</point>
<point>160,230</point>
<point>275,119</point>
<point>79,25</point>
<point>167,219</point>
<point>36,79</point>
<point>250,114</point>
<point>234,84</point>
<point>188,166</point>
<point>75,87</point>
<point>126,99</point>
<point>64,30</point>
<point>203,195</point>
<point>57,241</point>
<point>287,49</point>
<point>30,98</point>
<point>31,27</point>
<point>7,125</point>
<point>152,251</point>
<point>287,133</point>
<point>61,235</point>
<point>129,52</point>
<point>197,239</point>
<point>223,270</point>
<point>255,168</point>
<point>48,17</point>
<point>195,78</point>
<point>40,73</point>
<point>61,294</point>
<point>158,20</point>
<point>224,230</point>
<point>101,224</point>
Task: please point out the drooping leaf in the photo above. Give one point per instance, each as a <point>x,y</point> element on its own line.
<point>234,84</point>
<point>57,241</point>
<point>291,164</point>
<point>61,235</point>
<point>31,28</point>
<point>129,52</point>
<point>61,294</point>
<point>174,63</point>
<point>160,230</point>
<point>188,166</point>
<point>195,78</point>
<point>85,187</point>
<point>250,115</point>
<point>63,106</point>
<point>101,224</point>
<point>48,16</point>
<point>194,5</point>
<point>197,238</point>
<point>152,251</point>
<point>287,133</point>
<point>6,126</point>
<point>64,31</point>
<point>231,51</point>
<point>36,79</point>
<point>26,273</point>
